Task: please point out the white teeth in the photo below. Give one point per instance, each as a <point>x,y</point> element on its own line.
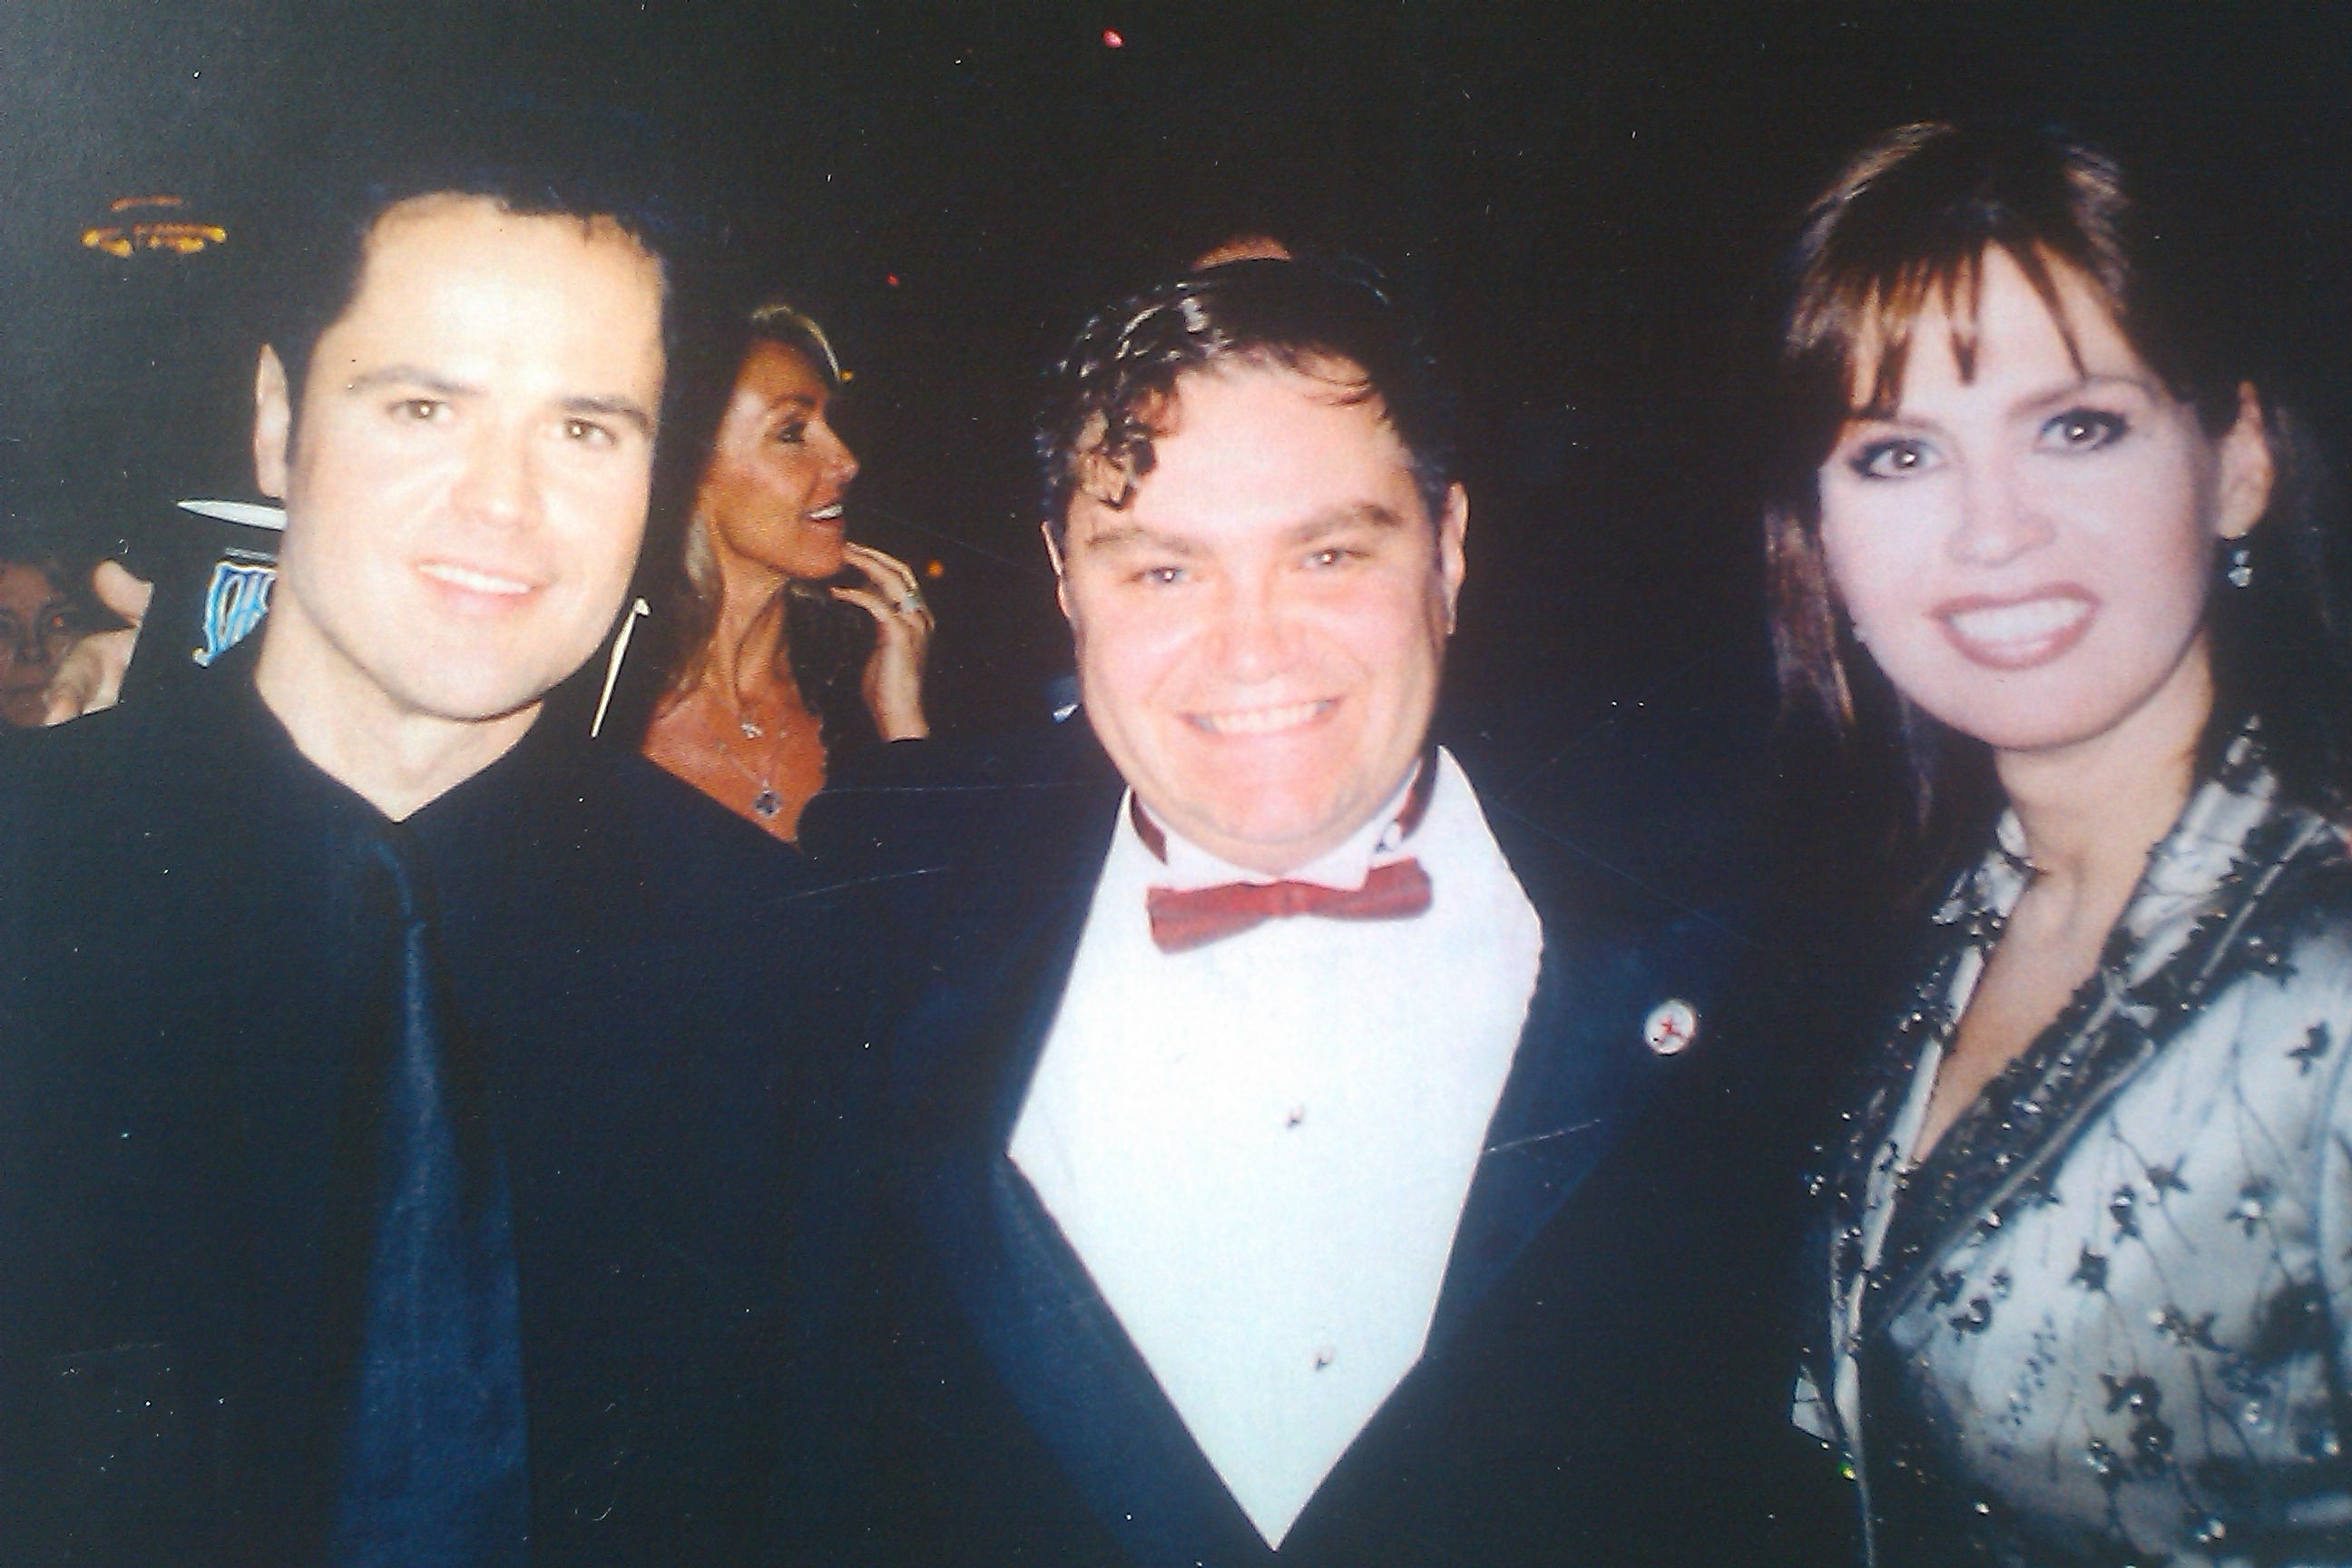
<point>2028,622</point>
<point>472,581</point>
<point>826,513</point>
<point>1258,721</point>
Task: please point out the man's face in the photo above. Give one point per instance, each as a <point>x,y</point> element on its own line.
<point>1260,628</point>
<point>465,488</point>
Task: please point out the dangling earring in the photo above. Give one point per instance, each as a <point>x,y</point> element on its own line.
<point>2241,570</point>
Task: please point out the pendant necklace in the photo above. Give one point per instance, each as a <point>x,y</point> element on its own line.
<point>767,802</point>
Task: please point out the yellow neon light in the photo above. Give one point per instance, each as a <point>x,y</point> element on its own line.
<point>180,238</point>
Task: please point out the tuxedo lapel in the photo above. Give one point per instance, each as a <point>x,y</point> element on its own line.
<point>1580,1074</point>
<point>1081,1384</point>
<point>1582,1071</point>
<point>973,1046</point>
<point>972,1042</point>
<point>1052,1341</point>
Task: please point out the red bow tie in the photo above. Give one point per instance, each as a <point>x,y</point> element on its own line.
<point>1183,919</point>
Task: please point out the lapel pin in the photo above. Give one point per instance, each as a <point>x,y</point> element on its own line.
<point>1671,1027</point>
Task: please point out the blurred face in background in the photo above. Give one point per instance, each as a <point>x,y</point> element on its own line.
<point>2027,550</point>
<point>772,495</point>
<point>1261,627</point>
<point>37,630</point>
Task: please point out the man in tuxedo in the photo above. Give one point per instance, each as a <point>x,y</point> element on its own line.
<point>1282,1173</point>
<point>398,1161</point>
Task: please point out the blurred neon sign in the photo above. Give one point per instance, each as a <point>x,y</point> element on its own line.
<point>172,235</point>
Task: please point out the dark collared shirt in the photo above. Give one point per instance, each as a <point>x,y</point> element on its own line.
<point>664,998</point>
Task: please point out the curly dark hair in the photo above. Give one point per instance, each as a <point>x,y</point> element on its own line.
<point>1106,396</point>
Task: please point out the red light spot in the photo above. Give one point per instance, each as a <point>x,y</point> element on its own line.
<point>892,279</point>
<point>935,569</point>
<point>1111,40</point>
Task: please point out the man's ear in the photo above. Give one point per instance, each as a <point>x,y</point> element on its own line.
<point>273,422</point>
<point>2243,488</point>
<point>1450,561</point>
<point>1061,578</point>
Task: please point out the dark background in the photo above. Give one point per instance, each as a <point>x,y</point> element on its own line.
<point>1587,198</point>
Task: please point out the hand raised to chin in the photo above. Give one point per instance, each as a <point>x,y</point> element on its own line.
<point>893,681</point>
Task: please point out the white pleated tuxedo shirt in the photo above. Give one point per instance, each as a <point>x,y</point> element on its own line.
<point>1260,1148</point>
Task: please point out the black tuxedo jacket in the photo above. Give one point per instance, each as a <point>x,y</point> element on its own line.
<point>1599,1384</point>
<point>654,985</point>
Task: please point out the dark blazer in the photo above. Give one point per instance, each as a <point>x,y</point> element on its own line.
<point>657,994</point>
<point>1599,1359</point>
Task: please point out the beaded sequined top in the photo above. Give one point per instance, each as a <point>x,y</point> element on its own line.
<point>2107,1319</point>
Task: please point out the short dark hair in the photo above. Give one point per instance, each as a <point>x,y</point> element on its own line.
<point>314,264</point>
<point>527,156</point>
<point>1304,314</point>
<point>1908,223</point>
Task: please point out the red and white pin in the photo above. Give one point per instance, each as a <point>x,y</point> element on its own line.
<point>1671,1027</point>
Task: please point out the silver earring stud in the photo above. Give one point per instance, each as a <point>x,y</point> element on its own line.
<point>2241,572</point>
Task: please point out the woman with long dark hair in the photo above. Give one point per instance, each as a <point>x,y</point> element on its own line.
<point>2049,537</point>
<point>778,642</point>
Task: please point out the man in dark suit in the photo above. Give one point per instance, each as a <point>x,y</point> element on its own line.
<point>398,1160</point>
<point>1282,1170</point>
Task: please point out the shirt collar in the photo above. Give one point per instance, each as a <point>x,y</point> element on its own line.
<point>1379,840</point>
<point>2191,865</point>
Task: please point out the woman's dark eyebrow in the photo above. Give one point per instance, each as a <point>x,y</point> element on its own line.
<point>2059,392</point>
<point>2047,395</point>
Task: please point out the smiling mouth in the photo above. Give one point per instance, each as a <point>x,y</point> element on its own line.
<point>1262,721</point>
<point>2019,633</point>
<point>825,513</point>
<point>475,580</point>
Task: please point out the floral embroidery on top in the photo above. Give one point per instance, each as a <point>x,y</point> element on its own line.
<point>2113,1254</point>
